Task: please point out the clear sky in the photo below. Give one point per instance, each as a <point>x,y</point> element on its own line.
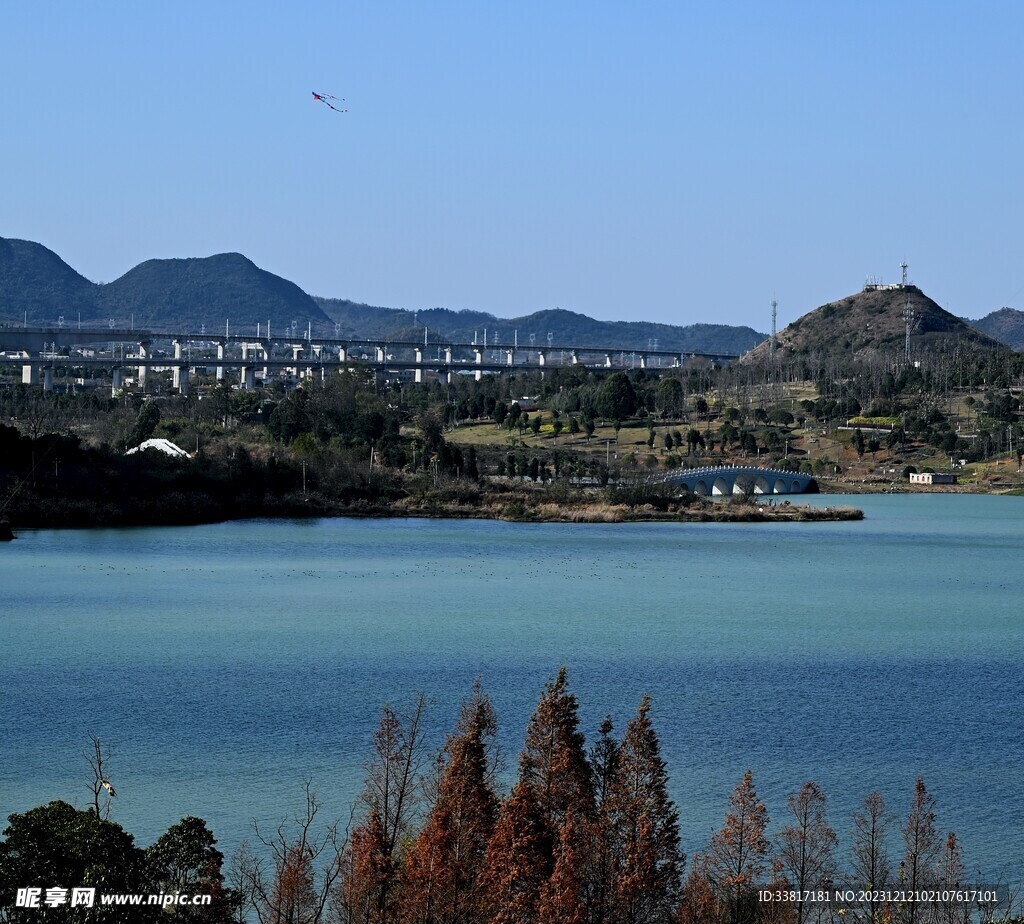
<point>670,161</point>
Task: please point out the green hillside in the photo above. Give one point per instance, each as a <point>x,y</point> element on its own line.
<point>1006,325</point>
<point>209,290</point>
<point>37,285</point>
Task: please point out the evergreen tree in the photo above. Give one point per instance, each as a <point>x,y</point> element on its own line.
<point>185,859</point>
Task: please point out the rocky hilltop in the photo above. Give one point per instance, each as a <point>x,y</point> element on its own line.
<point>872,321</point>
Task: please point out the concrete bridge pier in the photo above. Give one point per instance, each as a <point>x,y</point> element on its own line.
<point>143,354</point>
<point>608,360</point>
<point>510,357</point>
<point>180,379</point>
<point>116,385</point>
<point>220,355</point>
<point>643,360</point>
<point>380,355</point>
<point>479,354</point>
<point>417,375</point>
<point>177,349</point>
<point>574,357</point>
<point>342,354</point>
<point>248,378</point>
<point>47,378</point>
<point>29,375</point>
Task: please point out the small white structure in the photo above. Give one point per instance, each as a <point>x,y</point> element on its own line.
<point>932,478</point>
<point>165,446</point>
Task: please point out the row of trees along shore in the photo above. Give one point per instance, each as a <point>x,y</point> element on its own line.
<point>583,837</point>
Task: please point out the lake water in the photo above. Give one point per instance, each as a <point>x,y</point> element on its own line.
<point>223,665</point>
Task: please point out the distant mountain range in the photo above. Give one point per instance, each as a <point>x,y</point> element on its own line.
<point>565,327</point>
<point>184,294</point>
<point>37,285</point>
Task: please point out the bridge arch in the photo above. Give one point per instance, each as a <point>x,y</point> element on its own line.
<point>701,488</point>
<point>721,486</point>
<point>743,484</point>
<point>761,486</point>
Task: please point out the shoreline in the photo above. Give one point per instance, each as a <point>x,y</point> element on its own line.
<point>513,511</point>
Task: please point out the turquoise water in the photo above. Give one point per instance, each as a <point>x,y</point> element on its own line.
<point>225,664</point>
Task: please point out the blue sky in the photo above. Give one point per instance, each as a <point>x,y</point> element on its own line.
<point>677,162</point>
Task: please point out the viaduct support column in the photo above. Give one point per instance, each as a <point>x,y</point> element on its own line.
<point>220,355</point>
<point>143,354</point>
<point>181,379</point>
<point>29,375</point>
<point>115,388</point>
<point>418,371</point>
<point>47,378</point>
<point>248,378</point>
<point>479,354</point>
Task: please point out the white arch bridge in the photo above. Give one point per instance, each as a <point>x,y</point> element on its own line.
<point>715,481</point>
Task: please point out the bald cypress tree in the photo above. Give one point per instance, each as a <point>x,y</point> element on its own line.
<point>872,872</point>
<point>604,765</point>
<point>442,866</point>
<point>736,857</point>
<point>806,846</point>
<point>921,849</point>
<point>517,863</point>
<point>553,763</point>
<point>566,896</point>
<point>646,823</point>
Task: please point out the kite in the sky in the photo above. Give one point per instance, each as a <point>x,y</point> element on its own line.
<point>326,98</point>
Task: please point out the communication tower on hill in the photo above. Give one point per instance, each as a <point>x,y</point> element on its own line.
<point>903,266</point>
<point>775,310</point>
<point>908,318</point>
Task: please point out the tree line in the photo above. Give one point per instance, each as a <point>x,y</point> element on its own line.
<point>585,835</point>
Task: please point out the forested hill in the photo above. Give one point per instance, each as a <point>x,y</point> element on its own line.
<point>185,294</point>
<point>38,286</point>
<point>872,321</point>
<point>165,293</point>
<point>565,327</point>
<point>1006,325</point>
